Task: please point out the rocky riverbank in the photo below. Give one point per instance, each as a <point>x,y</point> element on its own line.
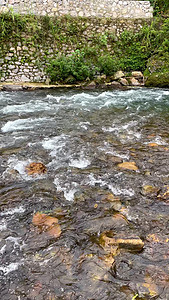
<point>120,80</point>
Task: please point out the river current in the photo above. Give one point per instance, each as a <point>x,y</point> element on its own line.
<point>83,138</point>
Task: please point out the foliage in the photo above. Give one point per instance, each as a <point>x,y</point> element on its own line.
<point>108,64</point>
<point>160,6</point>
<point>134,297</point>
<point>98,53</point>
<point>74,65</point>
<point>158,80</point>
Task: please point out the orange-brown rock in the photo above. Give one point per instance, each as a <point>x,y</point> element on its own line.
<point>36,168</point>
<point>149,189</point>
<point>128,165</point>
<point>152,289</point>
<point>40,219</point>
<point>164,196</point>
<point>130,243</point>
<point>47,223</point>
<point>153,145</point>
<point>133,243</point>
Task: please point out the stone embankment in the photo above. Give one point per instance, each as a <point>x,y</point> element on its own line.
<point>119,81</point>
<point>78,8</point>
<point>26,61</point>
<point>24,58</point>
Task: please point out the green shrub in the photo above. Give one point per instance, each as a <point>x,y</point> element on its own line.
<point>74,65</point>
<point>108,64</point>
<point>59,69</point>
<point>158,80</point>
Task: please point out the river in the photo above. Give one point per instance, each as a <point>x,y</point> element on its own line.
<point>84,138</point>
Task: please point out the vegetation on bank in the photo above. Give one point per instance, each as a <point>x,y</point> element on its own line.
<point>146,51</point>
<point>81,59</point>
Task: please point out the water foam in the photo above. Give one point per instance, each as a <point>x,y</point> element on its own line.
<point>56,144</point>
<point>10,268</point>
<point>57,98</point>
<point>26,107</point>
<point>80,163</point>
<point>119,191</point>
<point>22,124</point>
<point>3,225</point>
<point>2,250</point>
<point>12,211</point>
<point>68,189</point>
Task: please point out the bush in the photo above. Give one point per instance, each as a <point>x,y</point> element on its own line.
<point>59,69</point>
<point>108,64</point>
<point>158,80</point>
<point>75,65</point>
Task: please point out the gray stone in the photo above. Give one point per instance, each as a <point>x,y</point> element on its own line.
<point>24,78</point>
<point>134,81</point>
<point>118,75</point>
<point>124,81</point>
<point>137,74</point>
<point>11,87</point>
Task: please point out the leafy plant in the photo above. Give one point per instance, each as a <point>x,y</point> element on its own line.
<point>108,64</point>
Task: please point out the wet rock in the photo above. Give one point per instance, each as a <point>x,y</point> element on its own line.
<point>115,159</point>
<point>148,288</point>
<point>164,194</point>
<point>128,166</point>
<point>12,87</point>
<point>156,247</point>
<point>36,168</point>
<point>47,223</point>
<point>153,145</point>
<point>111,201</point>
<point>149,189</point>
<point>115,222</point>
<point>91,85</point>
<point>118,75</point>
<point>130,243</point>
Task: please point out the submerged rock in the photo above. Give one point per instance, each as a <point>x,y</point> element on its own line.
<point>153,145</point>
<point>47,223</point>
<point>131,243</point>
<point>113,201</point>
<point>128,166</point>
<point>12,87</point>
<point>36,168</point>
<point>149,189</point>
<point>164,194</point>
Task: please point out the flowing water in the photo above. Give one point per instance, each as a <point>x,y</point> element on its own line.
<point>81,138</point>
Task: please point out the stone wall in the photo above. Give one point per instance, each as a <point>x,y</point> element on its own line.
<point>26,59</point>
<point>81,8</point>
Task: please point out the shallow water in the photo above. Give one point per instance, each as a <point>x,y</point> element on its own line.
<point>81,137</point>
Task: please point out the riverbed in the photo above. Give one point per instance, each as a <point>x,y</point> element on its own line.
<point>107,160</point>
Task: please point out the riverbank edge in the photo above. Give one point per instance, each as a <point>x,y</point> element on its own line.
<point>31,86</point>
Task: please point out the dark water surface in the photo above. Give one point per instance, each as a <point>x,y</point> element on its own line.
<point>82,137</point>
